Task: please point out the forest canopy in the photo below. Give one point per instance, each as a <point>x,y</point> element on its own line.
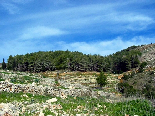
<point>74,61</point>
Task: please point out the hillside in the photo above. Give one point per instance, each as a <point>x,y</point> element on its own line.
<point>148,52</point>
<point>141,80</point>
<point>74,61</point>
<point>35,86</point>
<point>74,93</point>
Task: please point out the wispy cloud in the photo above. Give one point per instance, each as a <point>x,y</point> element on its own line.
<point>12,5</point>
<point>121,23</point>
<point>14,47</point>
<point>11,8</point>
<point>104,47</point>
<point>88,17</point>
<point>40,32</point>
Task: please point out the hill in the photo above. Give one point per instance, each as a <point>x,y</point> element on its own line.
<point>64,83</point>
<point>74,61</point>
<point>74,93</point>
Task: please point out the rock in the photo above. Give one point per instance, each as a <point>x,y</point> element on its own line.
<point>126,115</point>
<point>98,105</point>
<point>78,114</point>
<point>31,106</point>
<point>45,106</point>
<point>70,87</point>
<point>65,115</point>
<point>24,95</point>
<point>92,115</point>
<point>51,100</point>
<point>53,107</point>
<point>23,109</point>
<point>63,96</point>
<point>6,114</point>
<point>33,84</point>
<point>59,106</point>
<point>41,113</point>
<point>7,109</point>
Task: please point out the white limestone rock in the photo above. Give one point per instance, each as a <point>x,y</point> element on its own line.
<point>51,100</point>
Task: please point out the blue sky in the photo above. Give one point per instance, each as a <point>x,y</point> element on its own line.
<point>89,26</point>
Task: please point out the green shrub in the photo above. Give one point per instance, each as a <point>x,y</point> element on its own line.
<point>102,79</point>
<point>149,91</point>
<point>142,65</point>
<point>48,112</point>
<point>126,77</point>
<point>126,89</point>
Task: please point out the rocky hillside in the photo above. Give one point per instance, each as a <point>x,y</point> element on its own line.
<point>73,93</point>
<point>148,53</point>
<point>141,80</point>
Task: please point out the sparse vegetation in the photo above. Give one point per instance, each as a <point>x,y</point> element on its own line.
<point>6,97</point>
<point>84,105</point>
<point>24,80</point>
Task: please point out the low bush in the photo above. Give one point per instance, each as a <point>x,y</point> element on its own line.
<point>126,89</point>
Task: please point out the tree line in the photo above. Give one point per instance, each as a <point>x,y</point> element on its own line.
<point>74,61</point>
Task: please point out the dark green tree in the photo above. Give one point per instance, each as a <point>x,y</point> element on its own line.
<point>102,79</point>
<point>3,64</point>
<point>142,66</point>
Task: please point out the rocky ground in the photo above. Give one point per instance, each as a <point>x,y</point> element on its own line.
<point>72,93</point>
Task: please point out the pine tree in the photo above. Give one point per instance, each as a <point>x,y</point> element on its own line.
<point>102,79</point>
<point>3,64</point>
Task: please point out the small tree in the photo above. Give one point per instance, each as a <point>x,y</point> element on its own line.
<point>101,79</point>
<point>142,65</point>
<point>3,64</point>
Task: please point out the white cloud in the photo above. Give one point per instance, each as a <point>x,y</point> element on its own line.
<point>40,31</point>
<point>108,17</point>
<point>104,47</point>
<point>14,47</point>
<point>12,5</point>
<point>11,8</point>
<point>86,19</point>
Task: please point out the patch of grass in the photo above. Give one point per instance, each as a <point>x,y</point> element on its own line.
<point>24,80</point>
<point>99,106</point>
<point>5,72</point>
<point>61,87</point>
<point>44,76</point>
<point>78,105</point>
<point>48,112</point>
<point>6,97</point>
<point>18,73</point>
<point>26,114</point>
<point>78,74</point>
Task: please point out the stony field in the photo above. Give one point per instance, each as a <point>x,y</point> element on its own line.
<point>65,94</point>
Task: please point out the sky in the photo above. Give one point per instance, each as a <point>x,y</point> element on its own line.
<point>90,26</point>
